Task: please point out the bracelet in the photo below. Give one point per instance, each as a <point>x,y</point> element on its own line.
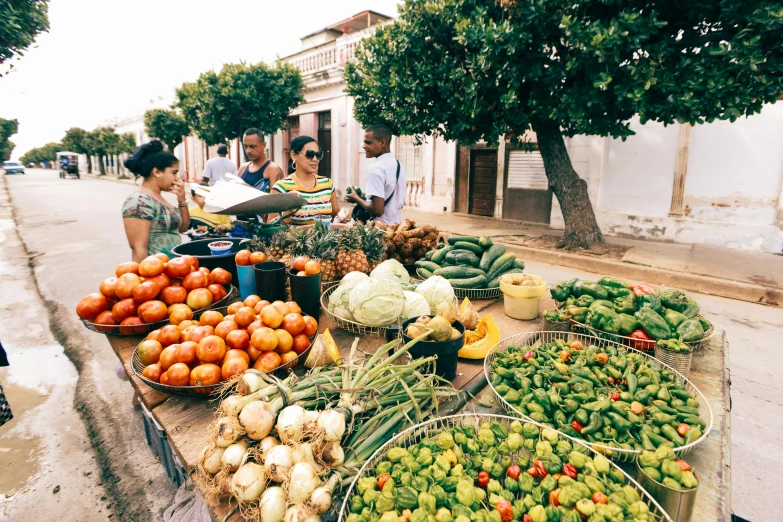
<point>183,205</point>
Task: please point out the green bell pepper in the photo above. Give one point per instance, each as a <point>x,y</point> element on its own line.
<point>601,302</point>
<point>605,319</point>
<point>577,313</point>
<point>673,318</point>
<point>671,483</point>
<point>690,330</point>
<point>688,480</point>
<point>649,301</point>
<point>585,300</point>
<point>653,473</point>
<point>563,290</point>
<point>595,424</point>
<point>674,299</point>
<point>652,323</point>
<point>590,288</point>
<point>612,284</point>
<point>692,308</point>
<point>625,305</point>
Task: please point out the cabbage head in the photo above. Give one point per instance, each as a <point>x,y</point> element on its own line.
<point>392,270</point>
<point>338,303</point>
<point>415,305</point>
<point>436,290</point>
<point>351,279</point>
<point>377,302</point>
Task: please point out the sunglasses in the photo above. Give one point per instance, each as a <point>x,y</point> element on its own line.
<point>310,154</point>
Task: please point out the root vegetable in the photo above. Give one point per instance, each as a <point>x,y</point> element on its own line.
<point>258,418</point>
<point>304,453</point>
<point>405,224</point>
<point>278,463</point>
<point>272,505</point>
<point>234,455</point>
<point>300,514</point>
<point>332,454</point>
<point>266,444</point>
<point>304,480</point>
<point>333,424</point>
<point>321,499</point>
<point>210,459</point>
<point>228,431</point>
<point>248,482</point>
<point>251,382</point>
<point>290,424</point>
<point>311,420</point>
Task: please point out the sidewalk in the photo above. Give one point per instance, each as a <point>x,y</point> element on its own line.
<point>748,276</point>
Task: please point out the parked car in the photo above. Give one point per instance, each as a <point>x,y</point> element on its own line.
<point>13,167</point>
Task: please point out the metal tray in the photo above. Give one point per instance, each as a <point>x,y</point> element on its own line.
<point>619,454</point>
<point>430,428</point>
<point>346,324</point>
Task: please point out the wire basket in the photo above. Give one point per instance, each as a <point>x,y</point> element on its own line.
<point>132,330</point>
<point>346,324</point>
<point>619,454</point>
<point>478,293</point>
<point>677,360</point>
<point>432,427</point>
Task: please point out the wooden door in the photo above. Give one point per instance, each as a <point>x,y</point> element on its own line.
<point>483,181</point>
<point>325,142</point>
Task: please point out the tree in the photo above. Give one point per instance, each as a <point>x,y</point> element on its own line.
<point>478,69</point>
<point>20,22</point>
<point>106,142</point>
<point>221,106</point>
<point>41,154</point>
<point>7,129</point>
<point>79,140</point>
<point>168,126</point>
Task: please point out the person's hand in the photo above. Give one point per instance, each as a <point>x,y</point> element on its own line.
<point>221,228</point>
<point>352,197</point>
<point>178,189</point>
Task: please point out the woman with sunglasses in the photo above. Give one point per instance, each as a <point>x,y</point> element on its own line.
<point>304,181</point>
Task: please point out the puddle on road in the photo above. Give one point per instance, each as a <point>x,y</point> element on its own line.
<point>20,455</point>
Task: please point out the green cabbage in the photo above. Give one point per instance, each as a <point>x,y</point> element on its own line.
<point>415,305</point>
<point>392,270</point>
<point>351,279</point>
<point>377,302</point>
<point>436,290</point>
<point>338,303</point>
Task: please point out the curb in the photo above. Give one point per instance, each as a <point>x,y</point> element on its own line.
<point>109,178</point>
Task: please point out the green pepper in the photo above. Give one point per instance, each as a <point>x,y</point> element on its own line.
<point>514,441</point>
<point>674,299</point>
<point>585,300</point>
<point>465,493</point>
<point>660,418</point>
<point>424,457</point>
<point>671,483</point>
<point>639,510</point>
<point>578,460</point>
<point>619,423</point>
<point>570,405</point>
<point>604,318</point>
<point>625,305</point>
<point>599,405</point>
<point>541,397</point>
<point>631,381</point>
<point>672,434</point>
<point>497,470</point>
<point>405,498</point>
<point>648,459</point>
<point>440,495</point>
<point>511,484</point>
<point>649,301</point>
<point>391,516</point>
<point>612,283</point>
<point>628,324</point>
<point>450,484</point>
<point>553,514</point>
<point>537,513</point>
<point>419,515</point>
<point>562,291</point>
<point>560,418</point>
<point>673,318</point>
<point>653,473</point>
<point>694,433</point>
<point>674,345</point>
<point>695,421</point>
<point>577,313</point>
<point>652,323</point>
<point>500,431</point>
<point>601,302</point>
<point>486,437</point>
<point>595,424</point>
<point>590,288</point>
<point>526,482</point>
<point>691,310</point>
<point>663,394</point>
<point>704,323</point>
<point>690,330</point>
<point>688,480</point>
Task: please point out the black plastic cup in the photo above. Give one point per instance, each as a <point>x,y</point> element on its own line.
<point>306,292</point>
<point>270,280</point>
<point>446,365</point>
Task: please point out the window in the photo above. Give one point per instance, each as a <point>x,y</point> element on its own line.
<point>293,129</point>
<point>526,171</point>
<point>325,120</point>
<point>410,157</point>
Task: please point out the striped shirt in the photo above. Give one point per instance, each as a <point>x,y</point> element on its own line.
<point>319,199</point>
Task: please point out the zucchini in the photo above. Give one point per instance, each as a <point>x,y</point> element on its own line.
<point>429,254</point>
<point>495,282</point>
<point>458,272</point>
<point>489,257</point>
<point>467,259</point>
<point>480,281</point>
<point>518,263</point>
<point>485,242</point>
<point>440,254</point>
<point>500,265</point>
<point>469,246</point>
<point>423,273</point>
<point>427,265</point>
<point>468,239</point>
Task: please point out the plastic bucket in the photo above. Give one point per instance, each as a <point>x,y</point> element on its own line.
<point>677,503</point>
<point>523,302</point>
<point>306,292</point>
<point>200,250</point>
<point>218,248</point>
<point>271,277</point>
<point>246,281</point>
<point>446,365</point>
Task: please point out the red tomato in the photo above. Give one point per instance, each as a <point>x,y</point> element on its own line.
<point>205,375</point>
<point>92,305</point>
<point>483,479</point>
<point>234,366</point>
<point>179,374</point>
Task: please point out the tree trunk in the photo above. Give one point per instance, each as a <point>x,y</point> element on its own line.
<point>101,165</point>
<point>581,228</point>
<point>89,164</point>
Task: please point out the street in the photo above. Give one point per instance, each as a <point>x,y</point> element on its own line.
<point>65,377</point>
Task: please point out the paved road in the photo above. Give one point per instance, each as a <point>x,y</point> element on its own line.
<point>73,230</point>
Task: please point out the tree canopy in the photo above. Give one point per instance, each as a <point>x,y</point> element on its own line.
<point>7,129</point>
<point>167,125</point>
<point>479,69</point>
<point>41,154</point>
<point>21,21</point>
<point>221,106</point>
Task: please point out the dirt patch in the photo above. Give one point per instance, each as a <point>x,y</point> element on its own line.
<point>545,242</point>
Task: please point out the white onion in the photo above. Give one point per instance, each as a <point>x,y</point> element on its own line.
<point>278,462</point>
<point>272,505</point>
<point>248,482</point>
<point>333,424</point>
<point>232,405</point>
<point>303,482</point>
<point>311,419</point>
<point>332,454</point>
<point>234,455</point>
<point>304,453</point>
<point>257,418</point>
<point>210,459</point>
<point>250,382</point>
<point>266,444</point>
<point>228,431</point>
<point>321,499</point>
<point>290,423</point>
<point>299,514</point>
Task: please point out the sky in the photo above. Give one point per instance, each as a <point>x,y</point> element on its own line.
<point>105,60</point>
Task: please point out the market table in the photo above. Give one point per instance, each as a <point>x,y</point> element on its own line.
<point>187,420</point>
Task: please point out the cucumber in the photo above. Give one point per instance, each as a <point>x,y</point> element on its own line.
<point>423,273</point>
<point>518,263</point>
<point>480,281</point>
<point>458,272</point>
<point>467,259</point>
<point>440,254</point>
<point>485,242</point>
<point>469,239</point>
<point>439,246</point>
<point>429,254</point>
<point>489,257</point>
<point>500,265</point>
<point>494,283</point>
<point>427,265</point>
<point>451,257</point>
<point>469,246</point>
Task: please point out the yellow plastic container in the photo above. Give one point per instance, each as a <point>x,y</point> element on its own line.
<point>523,302</point>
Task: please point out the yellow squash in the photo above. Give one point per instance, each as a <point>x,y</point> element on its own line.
<point>479,341</point>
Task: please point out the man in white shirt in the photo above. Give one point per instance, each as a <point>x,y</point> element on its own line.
<point>385,188</point>
<point>215,169</point>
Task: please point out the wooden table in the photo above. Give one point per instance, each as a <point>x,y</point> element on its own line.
<point>187,420</point>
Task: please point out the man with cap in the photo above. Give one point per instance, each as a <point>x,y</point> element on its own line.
<point>215,169</point>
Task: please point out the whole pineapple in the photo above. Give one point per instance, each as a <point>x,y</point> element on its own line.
<point>325,251</point>
<point>350,257</point>
<point>374,245</point>
<point>278,247</point>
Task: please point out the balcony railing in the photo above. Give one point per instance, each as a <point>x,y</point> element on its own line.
<point>330,55</point>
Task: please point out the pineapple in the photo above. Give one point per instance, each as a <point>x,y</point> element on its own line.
<point>278,247</point>
<point>301,241</point>
<point>374,245</point>
<point>325,251</point>
<point>350,257</point>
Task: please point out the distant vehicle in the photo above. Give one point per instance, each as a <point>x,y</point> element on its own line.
<point>69,164</point>
<point>13,167</point>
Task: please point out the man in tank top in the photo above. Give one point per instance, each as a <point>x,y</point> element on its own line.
<point>259,172</point>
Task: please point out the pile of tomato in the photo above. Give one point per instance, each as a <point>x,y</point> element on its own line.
<point>153,290</point>
<point>255,333</point>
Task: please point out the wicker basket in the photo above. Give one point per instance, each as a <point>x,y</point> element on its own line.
<point>555,326</point>
<point>619,454</point>
<point>677,360</point>
<point>432,427</point>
